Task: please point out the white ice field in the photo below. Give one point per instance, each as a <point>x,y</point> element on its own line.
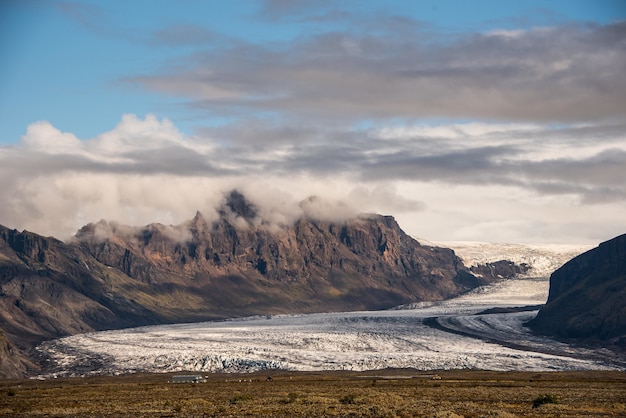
<point>428,336</point>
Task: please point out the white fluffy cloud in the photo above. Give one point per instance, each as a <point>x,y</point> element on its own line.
<point>483,182</point>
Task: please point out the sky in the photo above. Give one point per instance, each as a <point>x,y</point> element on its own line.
<point>493,121</point>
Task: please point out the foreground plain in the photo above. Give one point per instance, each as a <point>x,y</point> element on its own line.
<point>387,393</point>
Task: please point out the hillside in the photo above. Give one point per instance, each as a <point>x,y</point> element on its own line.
<point>587,297</point>
<point>12,363</point>
<point>115,276</point>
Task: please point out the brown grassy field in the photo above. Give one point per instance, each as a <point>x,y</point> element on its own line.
<point>388,393</point>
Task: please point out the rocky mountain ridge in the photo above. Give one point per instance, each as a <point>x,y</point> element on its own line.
<point>116,276</point>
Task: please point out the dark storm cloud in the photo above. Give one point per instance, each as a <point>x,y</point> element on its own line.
<point>594,178</point>
<point>173,160</point>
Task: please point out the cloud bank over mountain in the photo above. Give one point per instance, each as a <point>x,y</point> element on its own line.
<point>145,170</point>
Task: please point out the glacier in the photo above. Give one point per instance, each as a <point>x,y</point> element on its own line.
<point>451,334</point>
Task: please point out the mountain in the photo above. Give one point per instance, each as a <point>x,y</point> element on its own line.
<point>587,297</point>
<point>244,267</point>
<point>115,276</point>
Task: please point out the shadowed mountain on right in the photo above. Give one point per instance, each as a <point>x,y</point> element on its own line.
<point>587,298</point>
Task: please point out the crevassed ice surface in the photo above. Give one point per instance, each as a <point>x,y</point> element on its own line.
<point>339,341</point>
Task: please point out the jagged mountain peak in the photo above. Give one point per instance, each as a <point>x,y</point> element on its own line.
<point>238,205</point>
<point>237,211</point>
<point>198,223</point>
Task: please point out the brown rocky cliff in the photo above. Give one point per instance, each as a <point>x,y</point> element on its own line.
<point>369,252</point>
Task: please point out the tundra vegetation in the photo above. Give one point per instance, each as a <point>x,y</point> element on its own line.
<point>383,393</point>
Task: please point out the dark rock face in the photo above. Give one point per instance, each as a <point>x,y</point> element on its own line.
<point>588,296</point>
<point>237,204</point>
<point>115,276</point>
<point>50,289</point>
<point>12,363</point>
<point>503,269</point>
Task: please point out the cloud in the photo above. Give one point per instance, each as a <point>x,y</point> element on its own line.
<point>383,198</point>
<point>275,10</point>
<point>106,22</point>
<point>568,73</point>
<point>144,170</point>
<point>103,230</point>
<point>317,208</point>
<point>88,15</point>
<point>183,35</point>
<point>597,178</point>
<point>54,183</point>
<point>45,138</point>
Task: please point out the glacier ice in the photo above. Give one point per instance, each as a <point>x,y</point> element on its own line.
<point>398,338</point>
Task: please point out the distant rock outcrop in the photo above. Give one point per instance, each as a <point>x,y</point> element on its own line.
<point>115,276</point>
<point>587,297</point>
<point>502,269</point>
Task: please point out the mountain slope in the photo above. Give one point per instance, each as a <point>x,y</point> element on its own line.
<point>12,363</point>
<point>115,276</point>
<point>588,296</point>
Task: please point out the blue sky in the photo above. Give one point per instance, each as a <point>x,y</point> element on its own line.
<point>402,107</point>
<point>66,62</point>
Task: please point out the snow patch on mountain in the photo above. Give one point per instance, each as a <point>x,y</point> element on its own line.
<point>543,259</point>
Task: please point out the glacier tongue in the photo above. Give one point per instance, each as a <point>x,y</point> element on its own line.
<point>336,341</point>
